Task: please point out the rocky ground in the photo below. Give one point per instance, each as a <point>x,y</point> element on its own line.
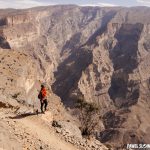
<point>28,131</point>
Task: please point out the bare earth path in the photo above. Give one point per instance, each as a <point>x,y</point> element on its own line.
<point>29,133</point>
<point>44,133</point>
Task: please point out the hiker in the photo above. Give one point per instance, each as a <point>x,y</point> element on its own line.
<point>42,96</point>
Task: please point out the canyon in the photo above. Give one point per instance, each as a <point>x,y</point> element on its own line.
<point>101,54</point>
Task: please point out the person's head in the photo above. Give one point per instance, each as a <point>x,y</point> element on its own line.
<point>42,86</point>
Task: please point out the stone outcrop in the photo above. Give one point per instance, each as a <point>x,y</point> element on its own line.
<point>72,134</point>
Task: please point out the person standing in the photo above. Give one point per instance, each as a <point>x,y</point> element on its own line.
<point>43,98</point>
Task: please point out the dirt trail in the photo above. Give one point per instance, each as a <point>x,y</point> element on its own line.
<point>44,133</point>
<point>30,132</point>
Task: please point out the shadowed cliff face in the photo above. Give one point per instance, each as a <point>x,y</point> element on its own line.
<point>100,53</point>
<point>78,58</point>
<point>69,73</point>
<point>123,91</point>
<point>126,50</point>
<point>3,42</point>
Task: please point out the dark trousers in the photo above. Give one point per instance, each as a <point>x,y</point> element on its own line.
<point>44,103</point>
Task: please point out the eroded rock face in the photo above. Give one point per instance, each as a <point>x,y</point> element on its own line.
<point>100,53</point>
<point>18,76</point>
<point>51,32</point>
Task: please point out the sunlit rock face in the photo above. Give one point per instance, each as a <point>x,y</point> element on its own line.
<point>18,76</point>
<point>99,53</point>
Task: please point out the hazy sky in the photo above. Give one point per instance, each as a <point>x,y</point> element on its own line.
<point>103,3</point>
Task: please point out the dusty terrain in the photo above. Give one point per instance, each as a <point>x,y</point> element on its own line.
<point>23,129</point>
<point>101,54</point>
<point>29,133</point>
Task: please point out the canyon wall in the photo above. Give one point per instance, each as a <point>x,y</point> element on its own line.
<point>99,53</point>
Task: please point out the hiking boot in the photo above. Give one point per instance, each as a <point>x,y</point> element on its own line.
<point>42,112</point>
<point>37,112</point>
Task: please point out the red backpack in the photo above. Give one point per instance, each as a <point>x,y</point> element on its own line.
<point>44,93</point>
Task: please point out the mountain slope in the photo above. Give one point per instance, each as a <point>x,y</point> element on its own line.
<point>101,54</point>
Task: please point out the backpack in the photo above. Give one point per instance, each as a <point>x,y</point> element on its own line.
<point>40,95</point>
<point>43,92</point>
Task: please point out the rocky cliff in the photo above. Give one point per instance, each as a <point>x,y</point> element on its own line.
<point>99,53</point>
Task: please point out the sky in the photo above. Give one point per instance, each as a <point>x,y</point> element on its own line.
<point>102,3</point>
